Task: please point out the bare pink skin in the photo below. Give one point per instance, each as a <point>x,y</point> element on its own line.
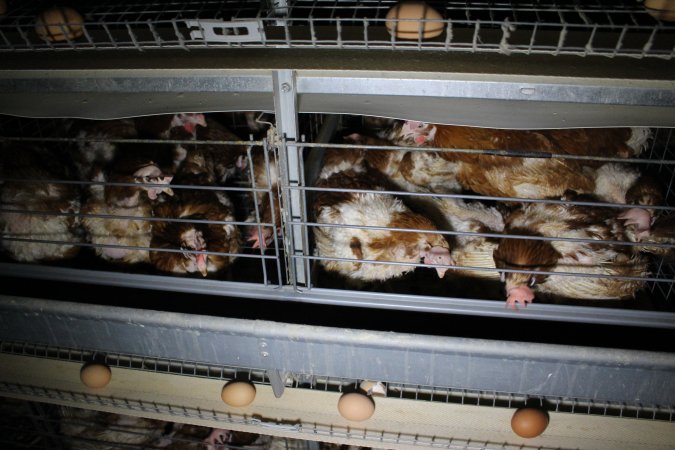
<point>419,131</point>
<point>189,122</point>
<point>202,263</point>
<point>260,241</point>
<point>520,294</point>
<point>438,255</point>
<point>217,438</point>
<point>640,218</point>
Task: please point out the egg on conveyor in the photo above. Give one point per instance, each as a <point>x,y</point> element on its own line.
<point>238,393</point>
<point>407,19</point>
<point>356,406</point>
<point>59,23</point>
<point>529,422</point>
<point>95,375</point>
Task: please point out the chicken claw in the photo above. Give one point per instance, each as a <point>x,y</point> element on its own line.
<point>520,294</point>
<point>640,218</point>
<point>438,255</point>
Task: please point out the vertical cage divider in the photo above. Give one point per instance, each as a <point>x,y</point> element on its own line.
<point>286,111</point>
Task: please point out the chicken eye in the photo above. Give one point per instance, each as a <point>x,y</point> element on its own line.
<point>186,255</point>
<point>420,125</point>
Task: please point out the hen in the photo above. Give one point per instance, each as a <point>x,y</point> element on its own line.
<point>126,240</point>
<point>22,231</point>
<point>226,159</point>
<point>265,204</point>
<point>93,148</point>
<point>199,229</point>
<point>470,250</point>
<point>494,175</point>
<point>524,177</point>
<point>159,127</point>
<point>96,148</point>
<point>568,221</point>
<point>350,210</point>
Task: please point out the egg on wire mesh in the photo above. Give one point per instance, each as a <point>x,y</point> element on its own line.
<point>95,375</point>
<point>59,23</point>
<point>407,19</point>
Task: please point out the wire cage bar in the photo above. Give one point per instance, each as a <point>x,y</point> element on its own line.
<point>238,189</point>
<point>541,27</point>
<point>277,172</point>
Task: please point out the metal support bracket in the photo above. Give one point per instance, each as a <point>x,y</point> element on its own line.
<point>278,381</point>
<point>291,171</point>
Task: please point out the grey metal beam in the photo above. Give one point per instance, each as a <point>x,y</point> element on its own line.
<point>489,100</point>
<point>112,94</point>
<point>356,299</point>
<point>508,367</point>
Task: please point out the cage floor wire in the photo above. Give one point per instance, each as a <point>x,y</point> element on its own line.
<point>545,27</point>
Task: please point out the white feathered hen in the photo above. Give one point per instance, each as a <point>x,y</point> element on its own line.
<point>345,170</point>
<point>568,221</point>
<point>41,165</point>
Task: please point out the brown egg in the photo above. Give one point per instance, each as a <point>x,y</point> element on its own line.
<point>238,393</point>
<point>410,28</point>
<point>355,406</point>
<point>59,23</point>
<point>3,7</point>
<point>529,422</point>
<point>661,9</point>
<point>95,375</point>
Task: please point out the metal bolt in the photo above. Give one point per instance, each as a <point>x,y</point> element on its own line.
<point>263,344</point>
<point>285,87</point>
<point>264,354</point>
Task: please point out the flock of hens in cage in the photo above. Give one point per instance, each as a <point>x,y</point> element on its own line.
<point>135,202</point>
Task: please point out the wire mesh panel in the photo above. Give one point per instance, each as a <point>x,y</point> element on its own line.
<point>548,27</point>
<point>545,216</point>
<point>519,216</point>
<point>151,195</point>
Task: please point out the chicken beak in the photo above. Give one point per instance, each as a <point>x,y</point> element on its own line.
<point>438,255</point>
<point>202,264</point>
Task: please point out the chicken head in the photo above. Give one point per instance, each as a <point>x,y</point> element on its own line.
<point>438,255</point>
<point>192,240</point>
<point>189,122</point>
<point>418,132</point>
<point>152,174</point>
